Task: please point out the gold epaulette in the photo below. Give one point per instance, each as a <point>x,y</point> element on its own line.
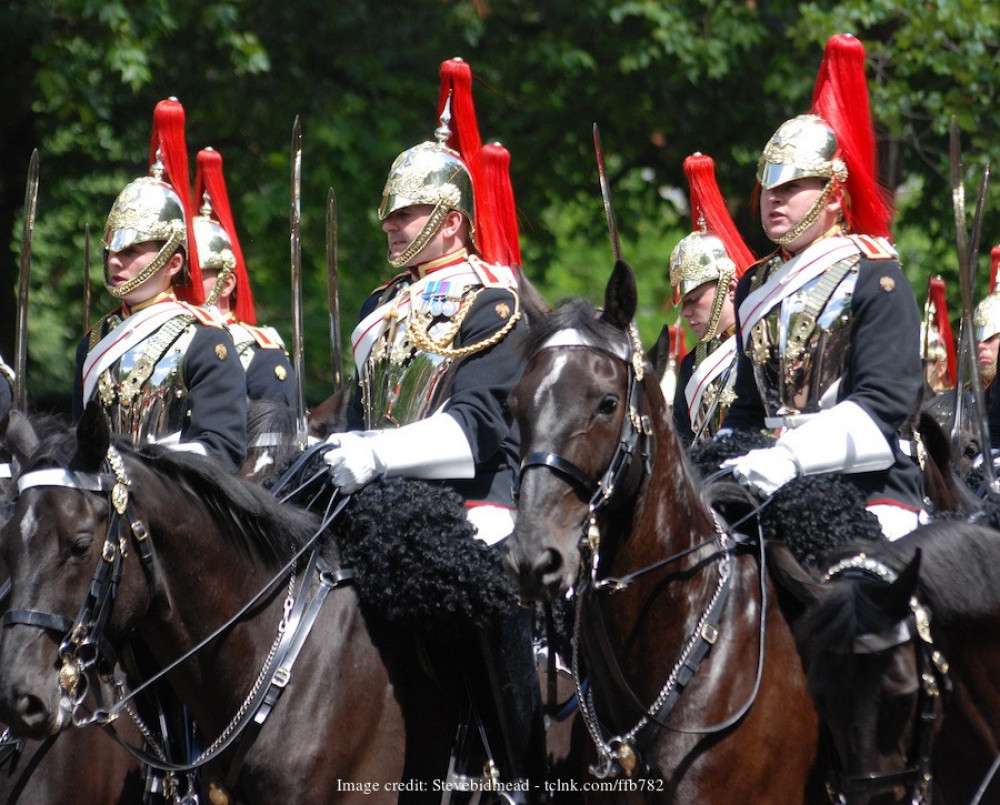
<point>874,248</point>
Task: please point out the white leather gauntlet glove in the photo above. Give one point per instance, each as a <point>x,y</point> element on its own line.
<point>435,448</point>
<point>841,439</point>
<point>764,471</point>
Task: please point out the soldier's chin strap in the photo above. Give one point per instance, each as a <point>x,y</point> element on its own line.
<point>434,223</point>
<point>159,261</point>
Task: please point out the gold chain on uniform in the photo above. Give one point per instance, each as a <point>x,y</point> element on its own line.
<point>417,329</point>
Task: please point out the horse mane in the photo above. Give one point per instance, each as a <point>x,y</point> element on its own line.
<point>571,314</point>
<point>955,581</point>
<point>957,569</point>
<point>247,515</point>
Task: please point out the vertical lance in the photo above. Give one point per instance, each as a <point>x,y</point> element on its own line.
<point>86,279</point>
<point>301,428</point>
<point>968,365</point>
<point>333,291</point>
<point>21,347</point>
<point>606,196</point>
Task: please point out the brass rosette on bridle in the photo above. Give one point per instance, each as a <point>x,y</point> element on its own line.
<point>148,209</point>
<point>215,249</point>
<point>699,258</point>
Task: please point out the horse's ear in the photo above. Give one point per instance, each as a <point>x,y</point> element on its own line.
<point>20,437</point>
<point>790,575</point>
<point>620,297</point>
<point>93,437</point>
<point>659,354</point>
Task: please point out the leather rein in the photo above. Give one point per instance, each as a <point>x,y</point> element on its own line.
<point>84,650</point>
<point>620,755</point>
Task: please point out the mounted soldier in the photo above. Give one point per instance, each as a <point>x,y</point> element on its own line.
<point>438,349</point>
<point>937,343</point>
<point>163,369</point>
<point>704,269</point>
<point>226,286</point>
<point>827,326</point>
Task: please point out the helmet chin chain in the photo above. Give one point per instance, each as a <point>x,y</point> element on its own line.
<point>809,218</point>
<point>721,292</point>
<point>158,262</point>
<point>430,229</point>
<point>220,282</point>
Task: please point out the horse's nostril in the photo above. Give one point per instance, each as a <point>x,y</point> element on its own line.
<point>547,562</point>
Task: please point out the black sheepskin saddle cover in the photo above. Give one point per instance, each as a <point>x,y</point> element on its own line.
<point>419,566</point>
<point>812,515</point>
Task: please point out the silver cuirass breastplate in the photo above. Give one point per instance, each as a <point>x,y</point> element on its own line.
<point>143,393</point>
<point>401,382</point>
<point>800,349</point>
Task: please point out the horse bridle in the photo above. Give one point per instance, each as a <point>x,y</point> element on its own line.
<point>619,756</point>
<point>636,435</point>
<point>932,670</point>
<point>84,648</point>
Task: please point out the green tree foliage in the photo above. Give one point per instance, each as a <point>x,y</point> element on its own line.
<point>661,79</point>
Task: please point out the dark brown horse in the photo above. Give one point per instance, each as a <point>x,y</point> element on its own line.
<point>694,691</point>
<point>883,638</point>
<point>82,766</point>
<point>187,547</point>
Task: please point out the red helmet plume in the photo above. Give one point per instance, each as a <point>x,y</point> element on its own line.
<point>209,179</point>
<point>840,97</point>
<point>708,206</point>
<point>169,144</point>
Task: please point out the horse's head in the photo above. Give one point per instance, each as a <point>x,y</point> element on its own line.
<point>52,543</point>
<point>584,433</point>
<point>873,673</point>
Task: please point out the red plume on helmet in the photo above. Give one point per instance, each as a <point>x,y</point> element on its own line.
<point>994,265</point>
<point>708,205</point>
<point>210,179</point>
<point>502,219</point>
<point>840,97</point>
<point>936,317</point>
<point>456,83</point>
<point>169,143</point>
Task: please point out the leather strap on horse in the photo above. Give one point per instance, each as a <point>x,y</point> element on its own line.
<point>299,625</point>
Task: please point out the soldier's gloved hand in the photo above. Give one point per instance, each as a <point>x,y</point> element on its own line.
<point>765,470</point>
<point>354,461</point>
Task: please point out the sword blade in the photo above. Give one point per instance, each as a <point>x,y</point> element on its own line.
<point>606,196</point>
<point>27,231</point>
<point>295,216</point>
<point>969,378</point>
<point>86,279</point>
<point>333,290</point>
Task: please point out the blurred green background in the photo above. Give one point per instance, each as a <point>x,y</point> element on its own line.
<point>80,79</point>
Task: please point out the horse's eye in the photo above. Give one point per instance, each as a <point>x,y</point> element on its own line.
<point>81,545</point>
<point>607,406</point>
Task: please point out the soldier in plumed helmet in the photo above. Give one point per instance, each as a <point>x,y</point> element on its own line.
<point>162,368</point>
<point>438,349</point>
<point>226,286</point>
<point>704,269</point>
<point>828,327</point>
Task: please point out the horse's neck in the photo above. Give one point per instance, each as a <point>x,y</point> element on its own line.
<point>202,580</point>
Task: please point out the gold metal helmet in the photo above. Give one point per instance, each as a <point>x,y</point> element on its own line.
<point>215,249</point>
<point>801,147</point>
<point>148,209</point>
<point>987,318</point>
<point>429,173</point>
<point>699,258</point>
